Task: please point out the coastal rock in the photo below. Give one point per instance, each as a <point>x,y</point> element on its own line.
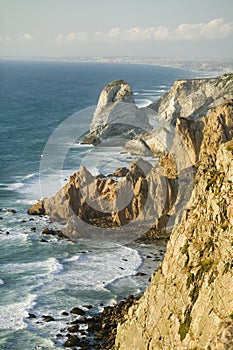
<point>193,98</point>
<point>37,209</point>
<point>138,147</point>
<point>116,114</point>
<point>189,302</point>
<point>157,194</point>
<point>120,172</point>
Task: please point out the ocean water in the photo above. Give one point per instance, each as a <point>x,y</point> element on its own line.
<point>48,278</point>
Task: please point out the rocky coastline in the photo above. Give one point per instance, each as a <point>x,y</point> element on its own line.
<point>186,198</point>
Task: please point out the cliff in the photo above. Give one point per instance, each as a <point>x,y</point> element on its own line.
<point>189,303</point>
<point>116,114</point>
<point>193,98</point>
<point>188,99</point>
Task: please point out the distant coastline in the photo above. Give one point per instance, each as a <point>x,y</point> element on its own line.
<point>199,65</point>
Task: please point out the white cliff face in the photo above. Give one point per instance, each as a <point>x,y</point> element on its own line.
<point>114,93</point>
<point>116,114</point>
<point>194,98</point>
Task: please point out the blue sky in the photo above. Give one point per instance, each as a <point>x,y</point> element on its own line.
<point>171,28</point>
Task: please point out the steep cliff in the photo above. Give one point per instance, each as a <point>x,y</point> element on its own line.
<point>187,99</point>
<point>193,98</point>
<point>116,114</point>
<point>189,303</point>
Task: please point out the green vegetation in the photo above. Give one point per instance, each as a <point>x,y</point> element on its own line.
<point>184,327</point>
<point>185,248</point>
<point>209,245</point>
<point>213,276</point>
<point>194,293</point>
<point>231,316</point>
<point>190,280</point>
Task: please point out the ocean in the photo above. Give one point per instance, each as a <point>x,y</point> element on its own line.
<point>51,276</point>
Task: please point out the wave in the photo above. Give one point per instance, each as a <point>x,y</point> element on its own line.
<point>109,266</point>
<point>1,281</point>
<point>36,268</point>
<point>12,316</point>
<point>11,186</point>
<point>29,176</point>
<point>143,102</point>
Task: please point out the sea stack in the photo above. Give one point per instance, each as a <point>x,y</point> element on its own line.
<point>116,114</point>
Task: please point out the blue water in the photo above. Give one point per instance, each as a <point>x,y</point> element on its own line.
<point>49,278</point>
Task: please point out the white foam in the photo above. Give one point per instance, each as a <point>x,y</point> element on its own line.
<point>100,268</point>
<point>12,186</point>
<point>12,315</point>
<point>29,176</point>
<point>143,102</point>
<point>73,258</point>
<point>40,268</point>
<point>1,281</point>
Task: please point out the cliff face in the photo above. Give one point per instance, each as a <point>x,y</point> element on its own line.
<point>187,100</point>
<point>116,114</point>
<point>193,98</point>
<point>189,303</point>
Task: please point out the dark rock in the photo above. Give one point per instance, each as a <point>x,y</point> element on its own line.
<point>65,313</point>
<point>23,221</point>
<point>88,306</point>
<point>48,318</point>
<point>44,240</point>
<point>10,210</point>
<point>77,311</point>
<point>73,329</point>
<point>33,229</point>
<point>72,340</point>
<point>7,232</point>
<point>52,232</point>
<point>141,274</point>
<point>31,315</point>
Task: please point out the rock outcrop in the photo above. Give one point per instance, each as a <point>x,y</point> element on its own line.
<point>189,303</point>
<point>193,98</point>
<point>117,115</point>
<point>188,100</point>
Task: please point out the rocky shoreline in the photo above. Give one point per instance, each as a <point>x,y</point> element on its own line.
<point>188,197</point>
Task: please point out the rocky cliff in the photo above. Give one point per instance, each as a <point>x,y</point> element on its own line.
<point>189,303</point>
<point>187,99</point>
<point>193,98</point>
<point>116,114</point>
<point>153,196</point>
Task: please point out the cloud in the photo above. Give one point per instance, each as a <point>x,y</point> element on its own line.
<point>214,29</point>
<point>4,39</point>
<point>26,37</point>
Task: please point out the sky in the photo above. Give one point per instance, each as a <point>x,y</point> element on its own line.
<point>142,28</point>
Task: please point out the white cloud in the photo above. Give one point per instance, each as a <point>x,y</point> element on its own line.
<point>214,29</point>
<point>26,37</point>
<point>4,39</point>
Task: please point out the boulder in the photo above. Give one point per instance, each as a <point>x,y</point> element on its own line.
<point>37,209</point>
